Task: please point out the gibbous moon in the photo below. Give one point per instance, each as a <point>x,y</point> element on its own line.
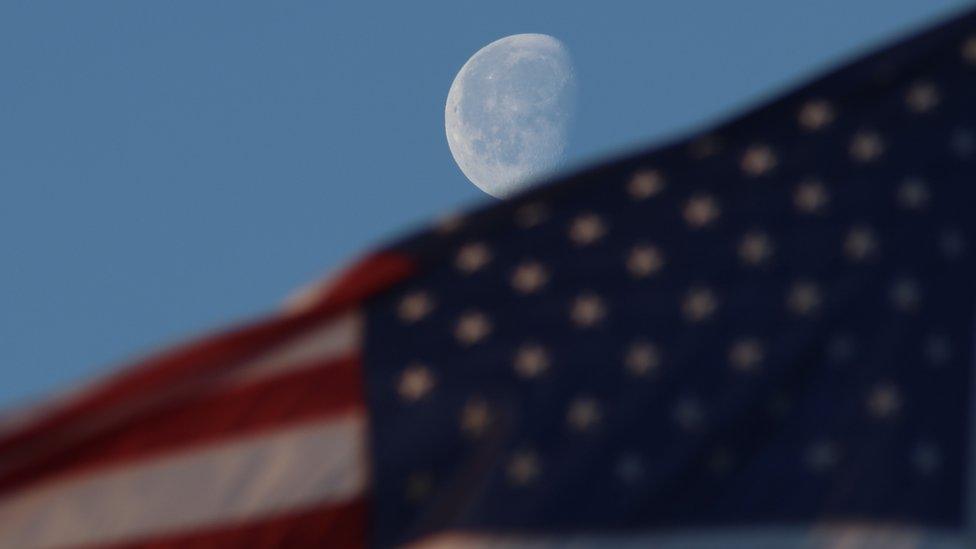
<point>509,112</point>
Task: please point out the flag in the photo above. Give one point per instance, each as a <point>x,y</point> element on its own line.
<point>758,336</point>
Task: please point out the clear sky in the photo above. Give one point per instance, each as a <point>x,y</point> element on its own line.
<point>170,167</point>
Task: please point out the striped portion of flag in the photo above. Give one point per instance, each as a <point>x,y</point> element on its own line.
<point>319,464</point>
<point>256,434</point>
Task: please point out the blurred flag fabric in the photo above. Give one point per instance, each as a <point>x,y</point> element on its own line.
<point>761,336</point>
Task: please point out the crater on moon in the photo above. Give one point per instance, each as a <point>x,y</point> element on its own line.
<point>509,112</point>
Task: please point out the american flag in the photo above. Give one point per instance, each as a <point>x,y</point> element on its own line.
<point>760,336</point>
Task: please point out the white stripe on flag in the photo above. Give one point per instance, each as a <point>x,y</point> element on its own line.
<point>338,338</point>
<point>229,482</point>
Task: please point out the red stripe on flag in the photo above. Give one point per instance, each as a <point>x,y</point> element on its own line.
<point>340,526</point>
<point>316,391</point>
<point>362,280</point>
<point>199,361</point>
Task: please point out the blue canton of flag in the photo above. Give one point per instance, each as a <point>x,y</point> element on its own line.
<point>759,336</point>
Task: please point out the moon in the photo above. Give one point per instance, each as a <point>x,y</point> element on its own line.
<point>509,112</point>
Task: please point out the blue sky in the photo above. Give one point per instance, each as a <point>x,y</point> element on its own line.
<point>171,167</point>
